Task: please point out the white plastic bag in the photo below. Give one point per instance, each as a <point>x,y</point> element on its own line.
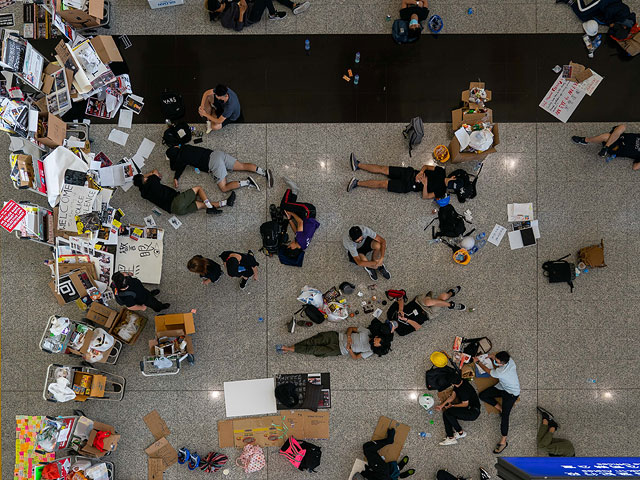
<point>336,312</point>
<point>80,466</point>
<point>162,362</point>
<point>59,325</point>
<point>481,140</point>
<point>61,391</point>
<point>311,296</point>
<point>101,341</point>
<point>97,472</point>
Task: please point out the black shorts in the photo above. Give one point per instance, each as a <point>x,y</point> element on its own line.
<point>364,249</point>
<point>401,179</point>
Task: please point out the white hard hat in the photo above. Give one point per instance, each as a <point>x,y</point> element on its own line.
<point>467,243</point>
<point>426,401</point>
<point>590,27</point>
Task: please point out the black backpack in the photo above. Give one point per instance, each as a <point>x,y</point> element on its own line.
<point>414,132</point>
<point>560,271</point>
<point>177,135</point>
<point>311,312</point>
<point>311,459</point>
<point>287,395</point>
<point>439,378</point>
<point>172,106</point>
<point>463,186</point>
<point>271,233</point>
<point>451,222</point>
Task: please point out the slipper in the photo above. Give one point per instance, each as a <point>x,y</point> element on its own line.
<point>407,473</point>
<point>403,463</point>
<point>279,349</point>
<point>183,455</point>
<point>500,447</point>
<point>194,461</point>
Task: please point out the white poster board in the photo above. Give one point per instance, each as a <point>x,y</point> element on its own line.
<point>562,99</point>
<point>142,257</point>
<point>250,397</point>
<point>74,200</point>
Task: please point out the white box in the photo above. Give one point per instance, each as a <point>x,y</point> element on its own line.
<point>164,3</point>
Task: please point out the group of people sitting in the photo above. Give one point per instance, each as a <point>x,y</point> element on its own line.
<point>237,14</point>
<point>614,14</point>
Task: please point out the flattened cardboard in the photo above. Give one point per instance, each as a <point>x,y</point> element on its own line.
<point>176,321</point>
<point>155,468</point>
<point>56,130</point>
<point>482,383</point>
<point>579,73</point>
<point>106,49</point>
<point>101,315</point>
<point>391,452</point>
<point>156,424</point>
<point>458,157</point>
<point>79,18</point>
<point>164,450</point>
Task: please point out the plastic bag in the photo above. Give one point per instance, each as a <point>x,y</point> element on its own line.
<point>162,362</point>
<point>311,296</point>
<point>336,312</point>
<point>481,140</point>
<point>128,331</point>
<point>97,472</point>
<point>80,466</point>
<point>59,326</point>
<point>101,341</point>
<point>61,391</point>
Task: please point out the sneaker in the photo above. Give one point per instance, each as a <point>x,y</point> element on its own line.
<point>448,441</point>
<point>545,413</point>
<point>291,325</point>
<point>231,199</point>
<point>183,455</point>
<point>403,463</point>
<point>384,272</point>
<point>454,291</point>
<point>353,183</point>
<point>279,349</point>
<point>603,152</point>
<point>354,162</point>
<point>553,423</point>
<point>214,211</point>
<point>165,306</point>
<point>458,436</point>
<point>209,129</point>
<point>484,475</point>
<point>253,183</point>
<point>579,140</point>
<point>154,292</point>
<point>243,283</point>
<point>292,185</point>
<point>269,175</point>
<point>458,306</point>
<point>407,473</point>
<point>278,16</point>
<point>372,273</point>
<point>301,8</point>
<point>194,461</point>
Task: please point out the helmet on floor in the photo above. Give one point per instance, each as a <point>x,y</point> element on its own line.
<point>439,359</point>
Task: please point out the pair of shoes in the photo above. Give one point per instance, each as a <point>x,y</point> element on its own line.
<point>500,447</point>
<point>154,292</point>
<point>253,183</point>
<point>279,349</point>
<point>214,211</point>
<point>278,16</point>
<point>545,414</point>
<point>301,8</point>
<point>243,283</point>
<point>231,199</point>
<point>448,441</point>
<point>353,183</point>
<point>458,436</point>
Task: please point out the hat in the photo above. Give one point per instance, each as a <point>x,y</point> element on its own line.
<point>444,201</point>
<point>590,27</point>
<point>287,395</point>
<point>439,359</point>
<point>347,288</point>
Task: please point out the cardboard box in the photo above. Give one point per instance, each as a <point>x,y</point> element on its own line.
<point>101,315</point>
<point>462,115</point>
<point>77,285</point>
<point>110,443</point>
<point>472,85</point>
<point>121,318</point>
<point>391,452</point>
<point>164,450</point>
<point>55,133</point>
<point>458,157</point>
<point>48,79</point>
<point>106,48</point>
<point>579,73</point>
<point>85,347</point>
<point>156,424</point>
<point>98,384</point>
<point>170,333</point>
<point>175,321</point>
<point>25,170</point>
<point>81,19</point>
<point>303,424</point>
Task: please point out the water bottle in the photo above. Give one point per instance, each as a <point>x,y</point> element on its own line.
<point>424,435</point>
<point>470,11</point>
<point>473,250</point>
<point>260,319</point>
<point>357,57</point>
<point>197,171</point>
<point>356,79</point>
<point>307,46</point>
<point>388,18</point>
<point>477,166</point>
<point>481,241</point>
<point>433,241</point>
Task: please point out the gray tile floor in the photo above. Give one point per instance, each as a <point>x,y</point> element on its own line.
<point>559,340</point>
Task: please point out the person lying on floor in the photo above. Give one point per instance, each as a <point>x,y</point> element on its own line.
<point>431,181</point>
<point>377,468</point>
<point>407,317</point>
<point>414,12</point>
<point>173,201</point>
<point>617,142</point>
<point>357,342</point>
<point>301,217</point>
<point>216,162</point>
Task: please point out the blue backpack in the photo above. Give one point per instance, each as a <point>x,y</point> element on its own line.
<point>400,32</point>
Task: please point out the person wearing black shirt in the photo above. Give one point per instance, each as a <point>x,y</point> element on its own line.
<point>130,292</point>
<point>468,408</point>
<point>172,201</point>
<point>241,265</point>
<point>209,271</point>
<point>431,181</point>
<point>616,143</point>
<point>414,12</point>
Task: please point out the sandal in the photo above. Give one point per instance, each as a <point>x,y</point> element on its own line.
<point>500,447</point>
<point>407,473</point>
<point>403,463</point>
<point>279,349</point>
<point>194,461</point>
<point>183,455</point>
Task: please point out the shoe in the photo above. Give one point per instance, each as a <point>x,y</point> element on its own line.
<point>253,183</point>
<point>304,323</point>
<point>154,292</point>
<point>448,441</point>
<point>458,436</point>
<point>354,162</point>
<point>545,414</point>
<point>231,199</point>
<point>454,291</point>
<point>484,475</point>
<point>301,8</point>
<point>214,211</point>
<point>579,140</point>
<point>500,447</point>
<point>183,455</point>
<point>165,306</point>
<point>603,152</point>
<point>403,463</point>
<point>243,283</point>
<point>458,306</point>
<point>353,183</point>
<point>209,129</point>
<point>291,325</point>
<point>553,423</point>
<point>292,185</point>
<point>278,16</point>
<point>372,273</point>
<point>391,434</point>
<point>269,175</point>
<point>194,461</point>
<point>408,473</point>
<point>384,272</point>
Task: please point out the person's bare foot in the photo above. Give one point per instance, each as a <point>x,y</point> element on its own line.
<point>288,349</point>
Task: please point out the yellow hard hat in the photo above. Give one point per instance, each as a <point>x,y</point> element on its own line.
<point>439,359</point>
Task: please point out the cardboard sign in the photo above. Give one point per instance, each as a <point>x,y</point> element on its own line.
<point>74,200</point>
<point>142,258</point>
<point>11,215</point>
<point>156,425</point>
<point>391,452</point>
<point>562,99</point>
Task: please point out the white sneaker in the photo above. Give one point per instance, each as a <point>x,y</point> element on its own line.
<point>448,441</point>
<point>303,7</point>
<point>458,436</point>
<point>209,126</point>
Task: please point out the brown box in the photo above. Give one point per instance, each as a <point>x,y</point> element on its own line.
<point>85,346</point>
<point>110,443</point>
<point>101,315</point>
<point>98,385</point>
<point>302,424</point>
<point>155,468</point>
<point>55,133</point>
<point>462,115</point>
<point>164,450</point>
<point>47,80</point>
<point>175,321</point>
<point>579,73</point>
<point>106,49</point>
<point>25,170</point>
<point>170,333</point>
<point>458,157</point>
<point>466,93</point>
<point>75,280</point>
<point>120,318</point>
<point>79,18</point>
<point>156,424</point>
<point>391,452</point>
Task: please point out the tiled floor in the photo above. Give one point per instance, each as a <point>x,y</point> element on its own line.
<point>560,341</point>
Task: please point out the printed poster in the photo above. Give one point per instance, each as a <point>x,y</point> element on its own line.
<point>141,257</point>
<point>74,200</point>
<point>562,99</point>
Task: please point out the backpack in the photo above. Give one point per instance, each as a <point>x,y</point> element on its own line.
<point>560,271</point>
<point>592,256</point>
<point>177,135</point>
<point>312,313</point>
<point>171,106</point>
<point>252,459</point>
<point>463,186</point>
<point>438,378</point>
<point>271,233</point>
<point>451,223</point>
<point>400,32</point>
<point>476,346</point>
<point>414,132</point>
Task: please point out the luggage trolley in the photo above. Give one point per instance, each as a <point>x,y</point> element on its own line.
<point>114,384</point>
<point>106,19</point>
<point>65,464</point>
<point>149,369</point>
<point>72,337</point>
<point>41,221</point>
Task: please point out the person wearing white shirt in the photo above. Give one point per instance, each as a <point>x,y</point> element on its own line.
<point>507,388</point>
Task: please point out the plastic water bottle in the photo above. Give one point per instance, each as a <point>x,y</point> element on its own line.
<point>481,240</point>
<point>260,319</point>
<point>473,250</point>
<point>197,171</point>
<point>424,435</point>
<point>470,11</point>
<point>356,79</point>
<point>591,380</point>
<point>307,46</point>
<point>357,57</point>
<point>478,164</point>
<point>433,241</point>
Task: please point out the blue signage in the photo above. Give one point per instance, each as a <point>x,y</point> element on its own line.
<point>577,466</point>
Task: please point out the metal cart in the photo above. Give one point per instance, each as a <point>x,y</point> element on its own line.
<point>65,463</point>
<point>106,20</point>
<point>114,390</point>
<point>149,369</point>
<point>45,233</point>
<point>50,343</point>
